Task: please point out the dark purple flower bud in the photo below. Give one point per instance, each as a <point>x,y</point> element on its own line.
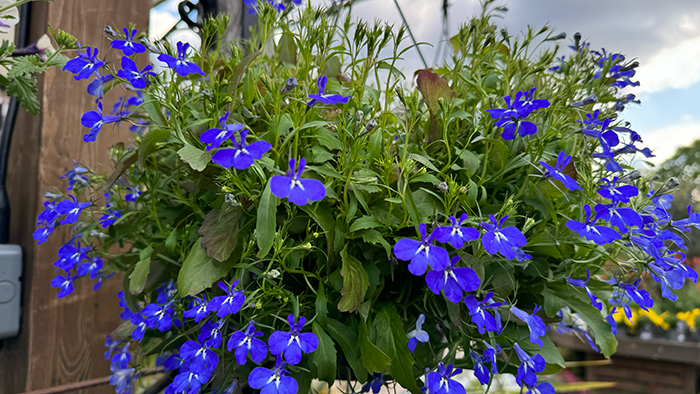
<point>290,85</point>
<point>630,177</point>
<point>588,100</point>
<point>108,30</point>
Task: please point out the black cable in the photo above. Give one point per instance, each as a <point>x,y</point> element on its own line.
<point>22,40</point>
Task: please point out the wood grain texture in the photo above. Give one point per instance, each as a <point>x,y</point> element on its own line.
<point>61,340</point>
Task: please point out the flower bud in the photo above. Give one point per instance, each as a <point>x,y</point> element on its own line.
<point>670,184</point>
<point>149,45</point>
<point>231,199</point>
<point>52,196</point>
<point>369,126</point>
<point>110,31</point>
<point>588,100</point>
<point>463,190</point>
<point>290,85</point>
<point>443,186</point>
<point>208,95</point>
<point>630,177</point>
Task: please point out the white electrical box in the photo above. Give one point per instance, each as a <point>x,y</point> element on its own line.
<point>10,289</point>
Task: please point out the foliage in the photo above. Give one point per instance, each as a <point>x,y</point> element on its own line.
<point>317,257</point>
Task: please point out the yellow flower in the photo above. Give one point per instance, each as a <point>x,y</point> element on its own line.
<point>689,317</point>
<point>621,317</point>
<point>659,320</point>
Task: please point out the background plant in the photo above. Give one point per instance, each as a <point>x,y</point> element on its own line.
<point>280,205</point>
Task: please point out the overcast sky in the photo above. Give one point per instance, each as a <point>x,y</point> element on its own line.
<point>663,35</point>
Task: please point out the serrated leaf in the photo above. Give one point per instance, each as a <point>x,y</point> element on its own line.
<point>23,88</point>
<point>325,355</point>
<point>266,222</point>
<point>355,282</point>
<point>392,341</point>
<point>137,279</point>
<point>376,238</point>
<point>365,222</point>
<point>219,231</point>
<point>348,341</point>
<point>26,65</point>
<point>375,360</point>
<point>199,271</point>
<point>196,158</point>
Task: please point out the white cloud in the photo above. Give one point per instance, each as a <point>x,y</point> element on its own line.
<point>675,67</point>
<point>665,141</point>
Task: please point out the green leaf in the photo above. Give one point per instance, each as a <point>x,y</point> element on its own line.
<point>287,48</point>
<point>148,143</point>
<point>348,341</point>
<point>470,161</point>
<point>374,237</point>
<point>219,231</point>
<point>325,356</point>
<point>332,68</point>
<point>392,340</point>
<point>241,68</point>
<point>26,65</point>
<point>355,282</point>
<point>63,39</point>
<point>120,168</point>
<point>604,337</point>
<point>433,87</point>
<point>24,89</point>
<point>321,304</point>
<point>171,241</point>
<point>266,222</point>
<point>373,358</point>
<point>323,216</point>
<point>153,109</point>
<point>196,158</point>
<point>200,271</point>
<point>365,222</point>
<point>137,279</point>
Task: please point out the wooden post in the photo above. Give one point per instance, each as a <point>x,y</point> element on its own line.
<point>61,341</point>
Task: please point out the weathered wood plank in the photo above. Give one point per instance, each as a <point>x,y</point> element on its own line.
<point>61,340</point>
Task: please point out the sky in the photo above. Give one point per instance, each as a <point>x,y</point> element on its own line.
<point>663,36</point>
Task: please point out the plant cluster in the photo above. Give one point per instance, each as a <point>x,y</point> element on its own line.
<point>299,202</point>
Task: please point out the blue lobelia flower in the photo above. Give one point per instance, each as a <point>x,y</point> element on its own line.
<point>273,381</point>
<point>131,73</point>
<point>668,278</point>
<point>247,342</point>
<point>441,382</point>
<point>122,378</point>
<point>584,285</point>
<point>534,323</point>
<point>529,367</point>
<point>421,253</point>
<point>622,218</point>
<point>300,191</point>
<point>110,217</point>
<point>322,97</point>
<point>97,86</point>
<point>190,381</point>
<point>480,370</point>
<point>199,355</point>
<point>166,292</point>
<point>611,191</point>
<point>215,137</point>
<point>137,320</point>
<point>92,267</point>
<point>159,316</point>
<point>241,156</point>
<point>456,235</point>
<point>601,235</point>
<point>179,64</point>
<point>94,120</point>
<point>557,173</point>
<point>293,343</point>
<point>49,214</point>
<point>541,388</point>
<point>128,46</point>
<point>210,334</point>
<point>85,64</point>
<point>72,209</point>
<point>75,176</point>
<point>503,240</point>
<point>374,384</point>
<point>478,310</point>
<point>64,284</point>
<point>418,334</point>
<point>122,357</point>
<point>693,220</point>
<point>111,345</point>
<point>133,195</point>
<point>229,304</point>
<point>624,293</point>
<point>674,260</point>
<point>70,255</point>
<point>453,281</point>
<point>198,309</point>
<point>42,233</point>
<point>511,119</point>
<point>530,104</point>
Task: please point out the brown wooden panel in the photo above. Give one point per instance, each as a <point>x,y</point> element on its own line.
<point>61,340</point>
